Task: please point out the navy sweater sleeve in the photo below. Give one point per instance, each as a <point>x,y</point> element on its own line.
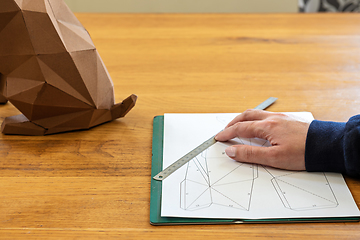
<point>334,147</point>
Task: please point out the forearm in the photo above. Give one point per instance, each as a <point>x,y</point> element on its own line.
<point>334,147</point>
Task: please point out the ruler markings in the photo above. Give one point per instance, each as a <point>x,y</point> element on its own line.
<point>199,149</point>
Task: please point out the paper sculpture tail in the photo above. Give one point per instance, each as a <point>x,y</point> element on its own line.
<point>20,125</point>
<point>121,109</point>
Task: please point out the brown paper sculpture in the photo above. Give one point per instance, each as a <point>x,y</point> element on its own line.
<point>51,71</point>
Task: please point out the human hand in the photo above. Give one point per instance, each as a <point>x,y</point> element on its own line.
<point>286,135</point>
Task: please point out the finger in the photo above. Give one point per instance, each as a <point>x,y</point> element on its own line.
<point>250,115</point>
<point>248,129</point>
<point>250,154</point>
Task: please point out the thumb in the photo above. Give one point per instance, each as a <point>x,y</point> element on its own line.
<point>249,154</point>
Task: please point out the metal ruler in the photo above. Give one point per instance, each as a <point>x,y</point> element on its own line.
<point>199,149</point>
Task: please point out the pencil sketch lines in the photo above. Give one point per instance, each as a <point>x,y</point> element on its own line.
<point>215,186</point>
<point>290,186</point>
<point>211,180</point>
<point>202,188</point>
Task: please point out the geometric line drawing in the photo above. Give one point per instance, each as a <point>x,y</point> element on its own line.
<point>213,185</point>
<point>232,184</point>
<point>203,188</point>
<point>289,186</point>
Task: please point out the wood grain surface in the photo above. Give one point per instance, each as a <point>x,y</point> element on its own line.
<point>95,184</point>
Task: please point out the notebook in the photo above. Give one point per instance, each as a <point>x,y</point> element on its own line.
<point>189,209</point>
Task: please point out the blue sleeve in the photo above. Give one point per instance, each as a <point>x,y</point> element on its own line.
<point>334,147</point>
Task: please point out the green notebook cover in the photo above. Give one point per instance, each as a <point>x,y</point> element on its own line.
<point>156,191</point>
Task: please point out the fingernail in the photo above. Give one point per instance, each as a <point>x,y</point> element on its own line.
<point>230,151</point>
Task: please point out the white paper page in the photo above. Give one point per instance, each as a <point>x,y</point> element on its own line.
<point>213,185</point>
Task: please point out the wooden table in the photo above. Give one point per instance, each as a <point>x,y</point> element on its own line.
<point>96,184</point>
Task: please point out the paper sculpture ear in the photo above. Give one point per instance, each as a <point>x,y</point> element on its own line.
<point>51,71</point>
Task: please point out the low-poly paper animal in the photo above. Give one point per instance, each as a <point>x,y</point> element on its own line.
<point>51,71</point>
